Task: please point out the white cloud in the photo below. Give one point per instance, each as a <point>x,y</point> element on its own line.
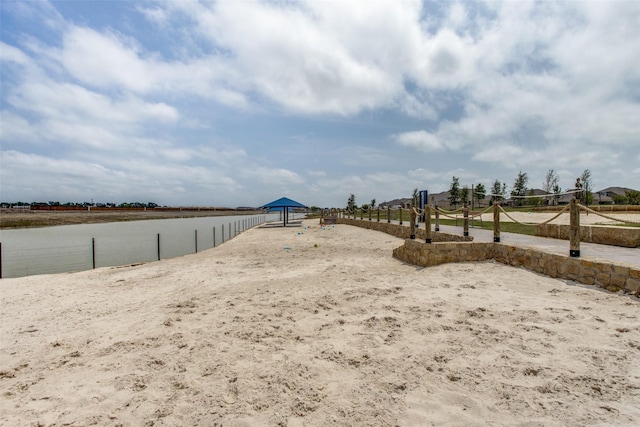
<point>420,140</point>
<point>278,176</point>
<point>12,54</point>
<point>484,88</point>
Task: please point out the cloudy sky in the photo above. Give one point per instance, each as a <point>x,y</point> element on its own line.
<point>237,103</point>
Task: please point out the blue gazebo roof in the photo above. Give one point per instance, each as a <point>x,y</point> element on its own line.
<point>281,204</point>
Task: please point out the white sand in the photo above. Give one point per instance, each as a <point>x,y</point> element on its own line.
<point>251,334</point>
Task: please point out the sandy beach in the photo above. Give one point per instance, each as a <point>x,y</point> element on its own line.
<point>305,326</point>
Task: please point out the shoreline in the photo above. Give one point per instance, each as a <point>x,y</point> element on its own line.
<point>302,326</point>
<point>16,219</point>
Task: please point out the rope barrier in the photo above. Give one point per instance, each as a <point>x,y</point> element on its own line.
<point>624,221</point>
<point>481,213</point>
<point>450,212</point>
<point>566,208</point>
<point>448,216</point>
<point>547,195</point>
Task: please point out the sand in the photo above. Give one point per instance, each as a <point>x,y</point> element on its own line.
<point>311,329</point>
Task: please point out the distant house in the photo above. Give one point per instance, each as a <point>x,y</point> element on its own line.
<point>397,203</point>
<point>606,195</point>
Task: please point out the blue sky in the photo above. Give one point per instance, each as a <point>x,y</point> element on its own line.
<point>237,103</point>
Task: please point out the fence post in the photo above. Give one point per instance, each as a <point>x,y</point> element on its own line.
<point>361,213</point>
<point>437,219</point>
<point>412,226</point>
<point>400,210</point>
<point>222,233</point>
<point>388,213</point>
<point>196,239</point>
<point>0,260</point>
<point>93,252</point>
<point>427,223</point>
<point>496,223</point>
<point>214,237</point>
<point>378,213</point>
<point>574,229</point>
<point>370,213</point>
<point>158,246</point>
<point>465,212</point>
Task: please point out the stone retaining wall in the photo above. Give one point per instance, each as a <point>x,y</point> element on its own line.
<point>605,275</point>
<point>628,237</point>
<point>402,231</point>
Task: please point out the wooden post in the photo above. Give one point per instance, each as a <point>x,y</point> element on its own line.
<point>369,213</point>
<point>222,233</point>
<point>158,246</point>
<point>465,212</point>
<point>361,213</point>
<point>400,210</point>
<point>574,229</point>
<point>496,223</point>
<point>388,213</point>
<point>437,219</point>
<point>427,223</point>
<point>196,241</point>
<point>378,213</point>
<point>412,226</point>
<point>214,237</point>
<point>93,252</point>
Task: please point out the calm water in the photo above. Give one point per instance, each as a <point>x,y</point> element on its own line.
<point>60,249</point>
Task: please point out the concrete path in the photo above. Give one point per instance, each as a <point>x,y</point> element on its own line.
<point>588,251</point>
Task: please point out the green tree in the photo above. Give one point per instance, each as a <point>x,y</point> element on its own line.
<point>520,187</point>
<point>480,192</point>
<point>587,186</point>
<point>633,197</point>
<point>619,199</point>
<point>464,195</point>
<point>550,184</point>
<point>454,192</point>
<point>534,201</point>
<point>556,194</point>
<point>551,179</point>
<point>351,203</point>
<point>498,190</point>
<point>372,203</point>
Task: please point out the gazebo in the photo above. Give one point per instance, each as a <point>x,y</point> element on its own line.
<point>285,205</point>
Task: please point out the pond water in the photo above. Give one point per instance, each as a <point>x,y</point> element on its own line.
<point>66,248</point>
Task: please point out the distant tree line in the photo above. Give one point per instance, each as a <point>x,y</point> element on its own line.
<point>520,193</point>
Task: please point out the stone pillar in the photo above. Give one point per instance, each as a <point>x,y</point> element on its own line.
<point>437,219</point>
<point>496,223</point>
<point>574,229</point>
<point>412,226</point>
<point>427,223</point>
<point>465,212</point>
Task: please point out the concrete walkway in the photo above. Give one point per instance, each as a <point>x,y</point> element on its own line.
<point>588,251</point>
